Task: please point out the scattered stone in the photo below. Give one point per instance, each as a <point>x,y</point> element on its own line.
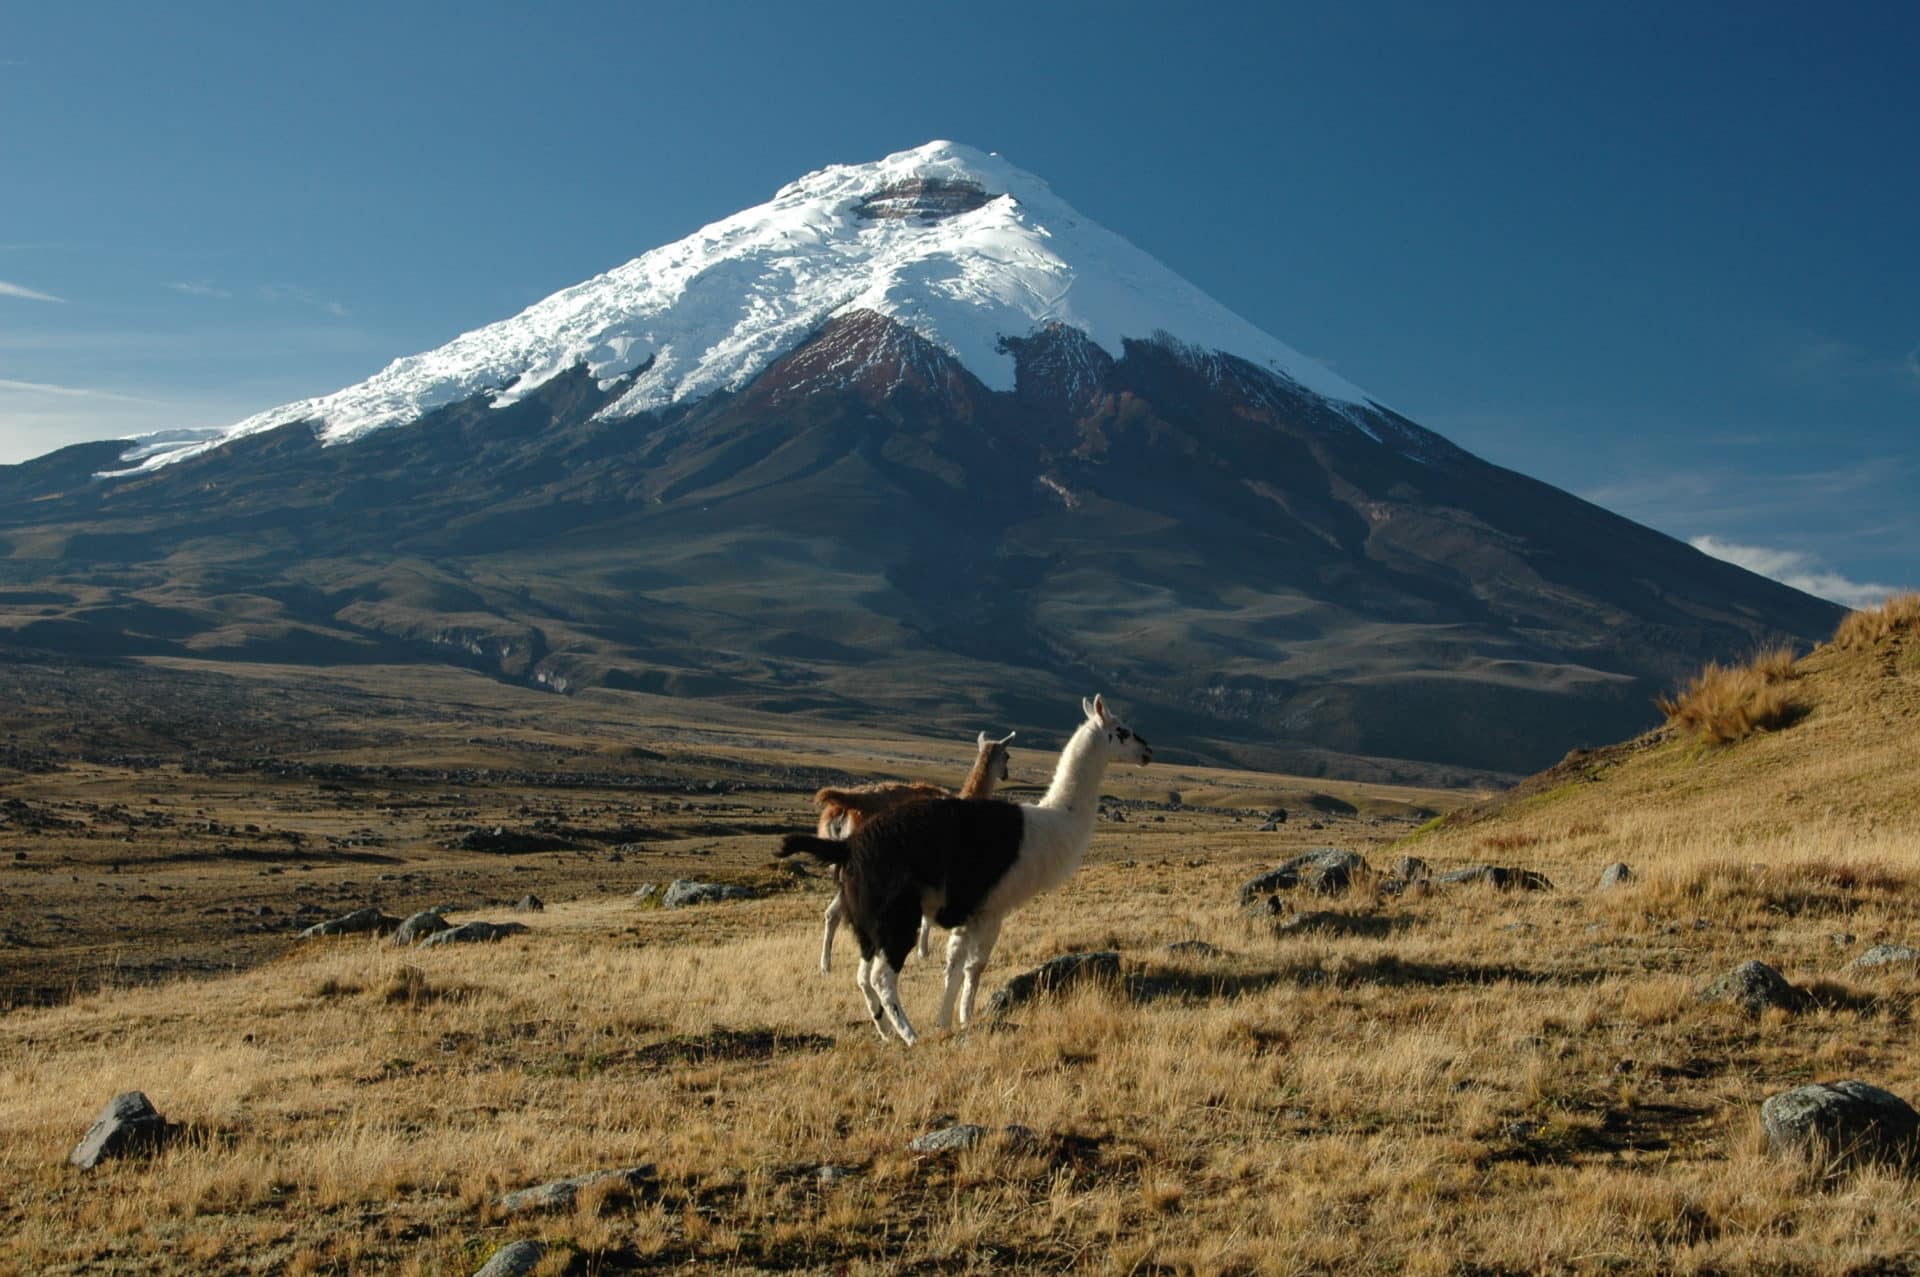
<point>529,903</point>
<point>1500,877</point>
<point>1615,874</point>
<point>1411,869</point>
<point>129,1124</point>
<point>682,892</point>
<point>1885,955</point>
<point>1327,922</point>
<point>1325,870</point>
<point>1840,939</point>
<point>1275,818</point>
<point>958,1138</point>
<point>1854,1123</point>
<point>1055,974</point>
<point>559,1194</point>
<point>1756,986</point>
<point>474,932</point>
<point>950,1139</point>
<point>1194,948</point>
<point>830,1175</point>
<point>515,1259</point>
<point>419,925</point>
<point>646,891</point>
<point>359,922</point>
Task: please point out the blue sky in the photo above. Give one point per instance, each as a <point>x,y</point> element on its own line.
<point>1661,255</point>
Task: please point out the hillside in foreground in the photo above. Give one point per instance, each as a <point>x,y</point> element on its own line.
<point>1443,1079</point>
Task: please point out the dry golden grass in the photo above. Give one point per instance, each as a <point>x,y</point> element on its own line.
<point>1725,703</point>
<point>1494,1083</point>
<point>1867,627</point>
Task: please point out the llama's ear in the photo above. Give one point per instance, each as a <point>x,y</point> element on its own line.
<point>982,742</point>
<point>1099,709</point>
<point>1086,707</point>
<point>1004,739</point>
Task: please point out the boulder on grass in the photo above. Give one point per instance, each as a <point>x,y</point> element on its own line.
<point>474,933</point>
<point>515,1259</point>
<point>359,922</point>
<point>1886,955</point>
<point>1755,986</point>
<point>559,1194</point>
<point>1325,870</point>
<point>129,1124</point>
<point>1058,973</point>
<point>1499,877</point>
<point>418,925</point>
<point>682,892</point>
<point>1848,1123</point>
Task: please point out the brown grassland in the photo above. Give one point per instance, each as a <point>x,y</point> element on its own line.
<point>1482,1083</point>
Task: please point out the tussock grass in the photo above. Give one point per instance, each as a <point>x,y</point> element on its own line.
<point>1867,627</point>
<point>1727,703</point>
<point>1503,1083</point>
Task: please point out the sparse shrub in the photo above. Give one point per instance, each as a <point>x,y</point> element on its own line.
<point>1868,626</point>
<point>1726,703</point>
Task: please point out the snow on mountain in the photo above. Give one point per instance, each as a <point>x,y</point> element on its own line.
<point>957,244</point>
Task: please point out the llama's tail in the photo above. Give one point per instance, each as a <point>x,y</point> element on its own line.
<point>830,850</point>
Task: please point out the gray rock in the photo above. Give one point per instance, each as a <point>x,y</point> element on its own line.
<point>529,903</point>
<point>129,1124</point>
<point>1615,874</point>
<point>474,932</point>
<point>1504,878</point>
<point>1411,869</point>
<point>359,922</point>
<point>646,891</point>
<point>1853,1123</point>
<point>1327,922</point>
<point>417,925</point>
<point>965,1135</point>
<point>515,1259</point>
<point>1194,949</point>
<point>950,1139</point>
<point>1058,973</point>
<point>682,892</point>
<point>559,1194</point>
<point>1326,870</point>
<point>829,1175</point>
<point>1756,986</point>
<point>1885,955</point>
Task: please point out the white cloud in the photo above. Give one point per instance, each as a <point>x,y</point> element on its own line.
<point>28,294</point>
<point>75,392</point>
<point>198,288</point>
<point>1801,571</point>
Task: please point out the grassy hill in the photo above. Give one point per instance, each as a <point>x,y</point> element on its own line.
<point>1456,1080</point>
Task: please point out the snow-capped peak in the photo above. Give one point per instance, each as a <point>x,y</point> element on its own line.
<point>955,243</point>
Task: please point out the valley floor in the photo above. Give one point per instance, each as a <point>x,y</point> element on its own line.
<point>1453,1081</point>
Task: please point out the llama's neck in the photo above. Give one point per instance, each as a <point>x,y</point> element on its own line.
<point>980,780</point>
<point>1076,778</point>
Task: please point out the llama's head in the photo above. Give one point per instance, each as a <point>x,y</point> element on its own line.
<point>1123,744</point>
<point>994,755</point>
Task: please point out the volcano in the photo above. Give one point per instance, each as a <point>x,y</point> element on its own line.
<point>912,442</point>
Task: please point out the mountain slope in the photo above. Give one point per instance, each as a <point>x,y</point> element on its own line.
<point>876,516</point>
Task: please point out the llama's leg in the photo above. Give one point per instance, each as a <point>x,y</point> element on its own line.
<point>887,977</point>
<point>981,935</point>
<point>925,927</point>
<point>899,925</point>
<point>956,950</point>
<point>834,909</point>
<point>862,977</point>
